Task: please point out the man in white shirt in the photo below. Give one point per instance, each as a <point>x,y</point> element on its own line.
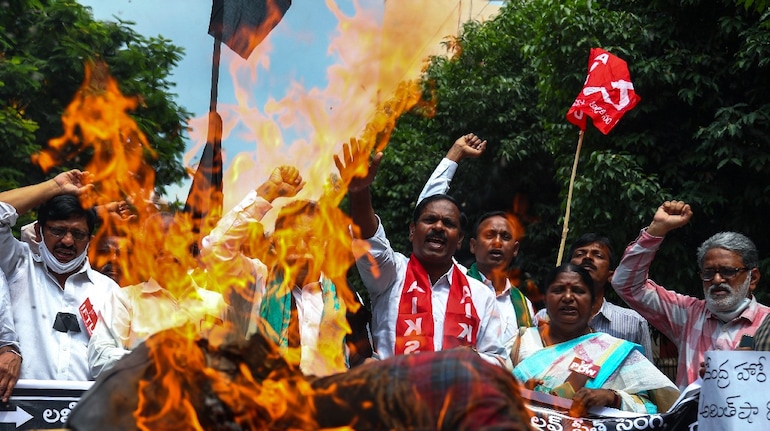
<point>171,297</point>
<point>423,302</point>
<point>494,243</point>
<point>10,356</point>
<point>55,294</point>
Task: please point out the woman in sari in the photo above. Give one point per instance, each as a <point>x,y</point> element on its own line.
<point>568,359</point>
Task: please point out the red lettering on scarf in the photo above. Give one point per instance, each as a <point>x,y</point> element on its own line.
<point>414,325</point>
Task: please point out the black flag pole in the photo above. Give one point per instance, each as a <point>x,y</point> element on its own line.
<point>204,200</point>
<point>241,25</point>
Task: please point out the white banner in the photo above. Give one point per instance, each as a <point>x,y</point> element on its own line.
<point>735,393</point>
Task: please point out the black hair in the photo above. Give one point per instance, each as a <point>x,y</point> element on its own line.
<point>65,207</point>
<point>590,238</point>
<point>420,208</point>
<point>485,216</point>
<point>585,276</point>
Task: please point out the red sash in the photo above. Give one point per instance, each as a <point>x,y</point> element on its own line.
<point>414,324</point>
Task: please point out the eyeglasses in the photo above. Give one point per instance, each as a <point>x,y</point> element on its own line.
<point>61,232</point>
<point>708,274</point>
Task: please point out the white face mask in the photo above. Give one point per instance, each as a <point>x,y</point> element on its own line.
<point>54,265</point>
<point>732,305</point>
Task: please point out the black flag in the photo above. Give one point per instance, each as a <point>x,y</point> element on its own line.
<point>243,24</point>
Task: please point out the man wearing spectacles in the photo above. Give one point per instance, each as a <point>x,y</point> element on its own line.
<point>728,270</point>
<point>55,295</point>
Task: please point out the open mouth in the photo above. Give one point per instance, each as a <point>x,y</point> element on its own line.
<point>435,242</point>
<point>297,258</point>
<point>496,254</point>
<point>719,292</point>
<point>64,254</point>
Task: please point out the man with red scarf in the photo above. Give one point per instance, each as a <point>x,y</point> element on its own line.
<point>423,302</point>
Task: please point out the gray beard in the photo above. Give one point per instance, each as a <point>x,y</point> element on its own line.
<point>732,305</point>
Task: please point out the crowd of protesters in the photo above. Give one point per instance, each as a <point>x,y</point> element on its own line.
<point>64,316</point>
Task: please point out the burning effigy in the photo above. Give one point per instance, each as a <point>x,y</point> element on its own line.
<point>174,382</point>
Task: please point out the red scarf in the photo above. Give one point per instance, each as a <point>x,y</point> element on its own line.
<point>414,325</point>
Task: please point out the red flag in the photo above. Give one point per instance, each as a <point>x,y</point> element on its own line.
<point>242,24</point>
<point>607,93</point>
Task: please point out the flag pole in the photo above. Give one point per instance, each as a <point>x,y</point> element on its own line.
<point>565,229</point>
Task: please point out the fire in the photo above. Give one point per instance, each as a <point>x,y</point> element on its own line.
<point>368,89</point>
<point>98,120</point>
<point>378,56</point>
<point>371,85</point>
<point>97,124</point>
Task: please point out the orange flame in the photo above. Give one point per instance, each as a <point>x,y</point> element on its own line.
<point>97,119</point>
<point>97,124</point>
<point>370,87</point>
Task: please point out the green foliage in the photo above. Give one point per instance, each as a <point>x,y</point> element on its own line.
<point>700,133</point>
<point>758,5</point>
<point>44,45</point>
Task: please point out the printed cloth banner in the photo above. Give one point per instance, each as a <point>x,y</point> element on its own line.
<point>606,95</point>
<point>550,413</point>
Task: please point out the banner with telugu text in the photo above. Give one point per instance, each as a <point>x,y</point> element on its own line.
<point>41,404</point>
<point>549,413</point>
<point>735,391</point>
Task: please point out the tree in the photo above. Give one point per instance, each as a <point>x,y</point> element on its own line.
<point>700,133</point>
<point>44,46</point>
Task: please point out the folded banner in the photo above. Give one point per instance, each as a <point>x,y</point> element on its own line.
<point>607,93</point>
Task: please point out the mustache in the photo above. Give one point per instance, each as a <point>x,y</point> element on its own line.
<point>724,286</point>
<point>436,235</point>
<point>64,247</point>
<point>588,263</point>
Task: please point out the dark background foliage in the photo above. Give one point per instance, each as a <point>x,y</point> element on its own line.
<point>700,133</point>
<point>44,46</point>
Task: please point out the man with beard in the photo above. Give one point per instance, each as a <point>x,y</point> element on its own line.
<point>594,253</point>
<point>55,295</point>
<point>728,268</point>
<point>423,302</point>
